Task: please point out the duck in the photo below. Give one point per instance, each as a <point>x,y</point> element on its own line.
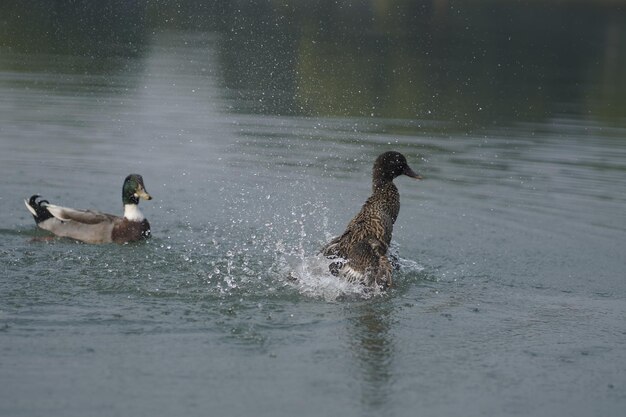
<point>360,252</point>
<point>90,226</point>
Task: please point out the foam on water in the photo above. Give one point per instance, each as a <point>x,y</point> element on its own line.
<point>311,277</point>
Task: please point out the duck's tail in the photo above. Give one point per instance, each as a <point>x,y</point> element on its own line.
<point>38,208</point>
<point>366,262</point>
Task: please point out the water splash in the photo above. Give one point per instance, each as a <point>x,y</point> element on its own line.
<point>403,265</point>
<point>311,277</point>
<point>300,266</point>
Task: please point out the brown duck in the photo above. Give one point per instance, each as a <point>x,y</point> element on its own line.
<point>361,251</point>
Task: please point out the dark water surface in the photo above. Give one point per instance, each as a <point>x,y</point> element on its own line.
<point>256,141</point>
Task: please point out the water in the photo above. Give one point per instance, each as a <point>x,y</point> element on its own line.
<point>511,295</point>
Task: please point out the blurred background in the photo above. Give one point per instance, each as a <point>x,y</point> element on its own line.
<point>472,63</point>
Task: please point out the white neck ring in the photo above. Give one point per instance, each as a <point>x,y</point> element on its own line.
<point>132,213</point>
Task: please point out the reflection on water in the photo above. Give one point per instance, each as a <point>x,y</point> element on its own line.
<point>92,29</point>
<point>469,65</point>
<point>472,65</point>
<point>372,346</point>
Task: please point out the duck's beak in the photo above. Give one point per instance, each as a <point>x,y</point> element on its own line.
<point>410,173</point>
<point>141,193</point>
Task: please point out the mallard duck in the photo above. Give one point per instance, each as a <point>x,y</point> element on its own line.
<point>361,251</point>
<point>93,226</point>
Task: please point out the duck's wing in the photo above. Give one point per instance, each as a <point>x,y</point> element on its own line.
<point>80,216</point>
<point>377,227</point>
<point>84,225</point>
<point>331,249</point>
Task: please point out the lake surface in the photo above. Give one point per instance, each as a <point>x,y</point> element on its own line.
<point>257,148</point>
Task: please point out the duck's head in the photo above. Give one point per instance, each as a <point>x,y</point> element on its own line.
<point>390,165</point>
<point>134,189</point>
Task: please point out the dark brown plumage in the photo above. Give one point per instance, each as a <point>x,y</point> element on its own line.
<point>361,251</point>
<point>130,231</point>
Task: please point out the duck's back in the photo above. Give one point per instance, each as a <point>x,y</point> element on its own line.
<point>374,221</point>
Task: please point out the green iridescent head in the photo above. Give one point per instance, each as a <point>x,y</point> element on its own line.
<point>134,189</point>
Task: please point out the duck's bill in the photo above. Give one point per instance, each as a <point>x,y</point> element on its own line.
<point>143,194</point>
<point>410,173</point>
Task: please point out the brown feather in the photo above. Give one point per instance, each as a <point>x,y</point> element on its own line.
<point>130,231</point>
